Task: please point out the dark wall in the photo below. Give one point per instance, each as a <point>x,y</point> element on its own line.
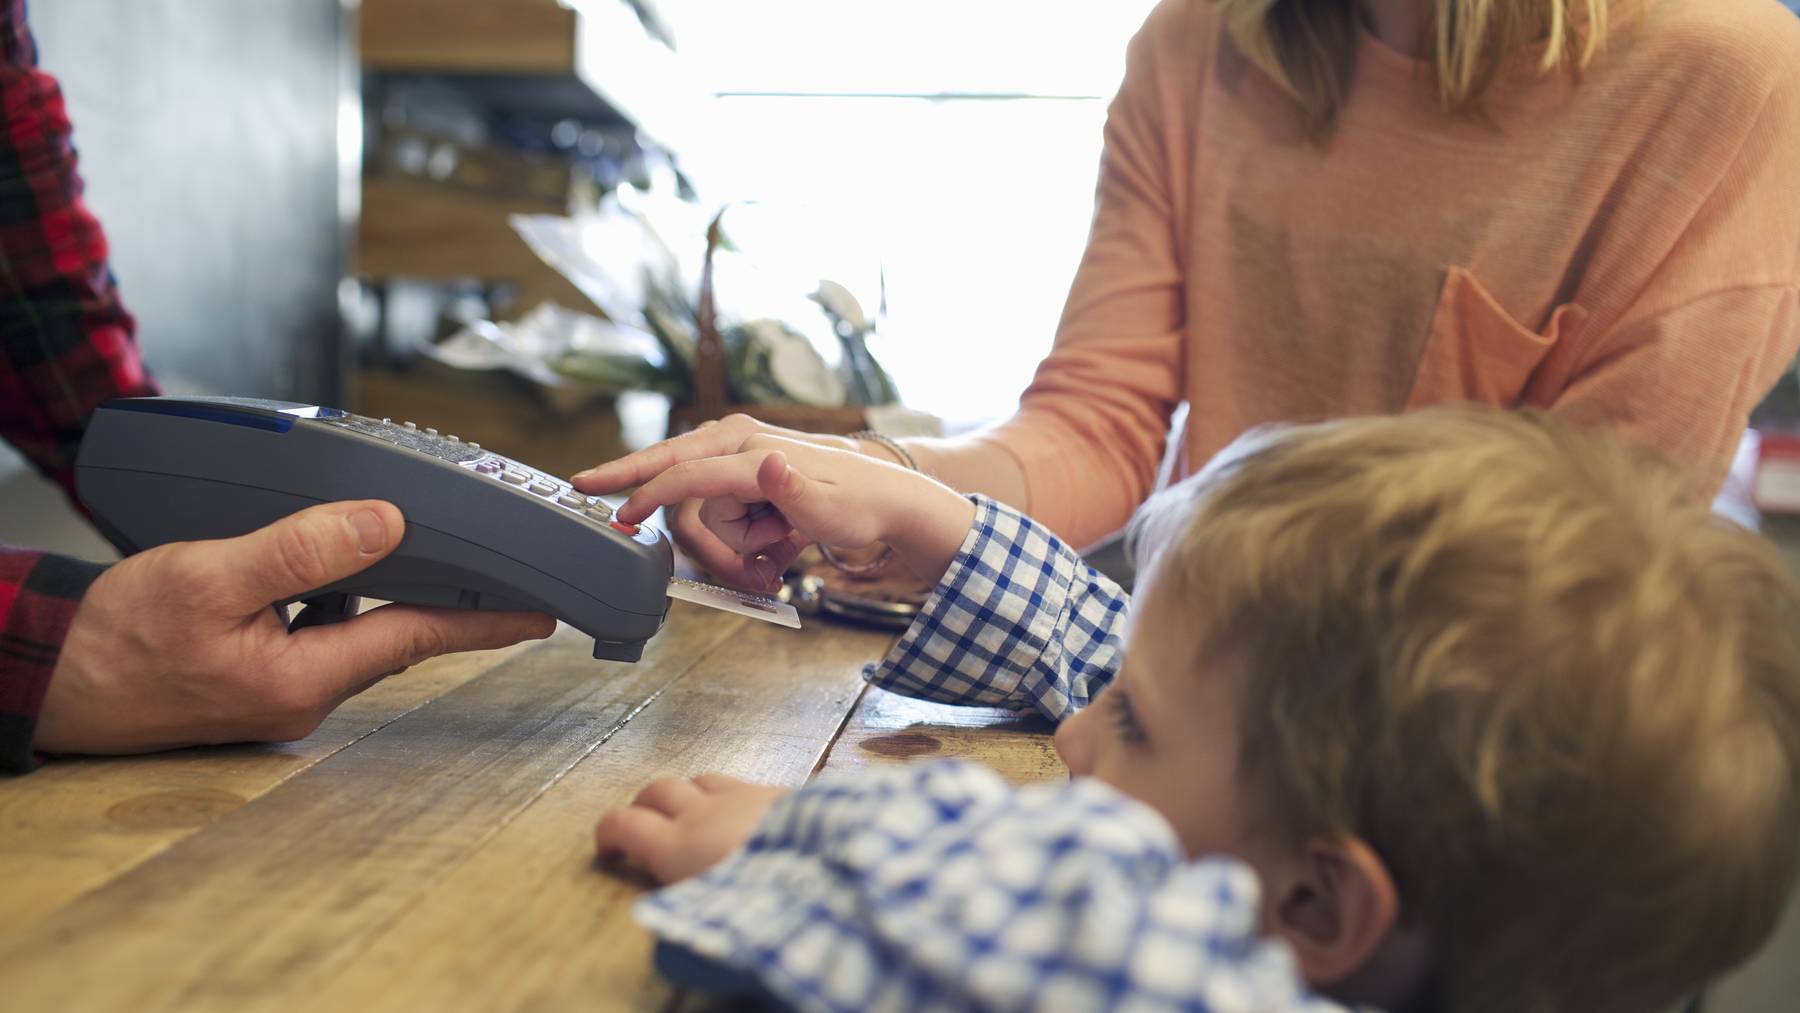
<point>208,131</point>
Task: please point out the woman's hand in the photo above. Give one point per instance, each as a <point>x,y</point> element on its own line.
<point>678,828</point>
<point>711,439</point>
<point>768,497</point>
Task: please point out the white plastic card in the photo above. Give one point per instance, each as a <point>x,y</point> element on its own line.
<point>756,606</point>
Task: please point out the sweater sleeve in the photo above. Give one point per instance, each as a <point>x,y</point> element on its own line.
<point>1091,427</point>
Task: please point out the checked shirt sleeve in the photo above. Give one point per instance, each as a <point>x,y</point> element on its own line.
<point>1019,620</point>
<point>66,341</point>
<point>939,886</point>
<point>39,594</point>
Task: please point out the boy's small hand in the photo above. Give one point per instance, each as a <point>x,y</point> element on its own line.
<point>678,828</point>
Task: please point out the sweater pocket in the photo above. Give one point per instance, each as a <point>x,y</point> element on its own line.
<point>1477,352</point>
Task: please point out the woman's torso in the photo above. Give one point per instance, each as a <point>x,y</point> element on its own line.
<point>1414,257</point>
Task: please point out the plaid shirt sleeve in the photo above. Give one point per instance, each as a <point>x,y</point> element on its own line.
<point>938,886</point>
<point>38,597</point>
<point>1018,620</point>
<point>66,344</point>
<point>66,341</point>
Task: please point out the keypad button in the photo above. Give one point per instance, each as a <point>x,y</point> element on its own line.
<point>572,501</point>
<point>488,467</point>
<point>516,477</point>
<point>543,488</point>
<point>630,529</point>
<point>472,444</point>
<point>411,427</point>
<point>453,438</point>
<point>430,431</point>
<point>600,512</point>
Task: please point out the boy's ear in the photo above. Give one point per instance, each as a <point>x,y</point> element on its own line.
<point>1337,909</point>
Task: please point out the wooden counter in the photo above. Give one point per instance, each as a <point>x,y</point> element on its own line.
<point>429,847</point>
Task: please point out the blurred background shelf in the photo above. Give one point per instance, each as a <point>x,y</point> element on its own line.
<point>588,59</point>
<point>481,36</point>
<point>473,111</point>
<point>478,109</point>
<point>431,233</point>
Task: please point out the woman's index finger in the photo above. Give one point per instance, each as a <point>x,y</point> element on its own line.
<point>640,466</point>
<point>732,475</point>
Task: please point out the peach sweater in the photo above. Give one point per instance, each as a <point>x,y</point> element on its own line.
<point>1625,250</point>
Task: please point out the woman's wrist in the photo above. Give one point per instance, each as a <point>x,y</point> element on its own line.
<point>873,444</point>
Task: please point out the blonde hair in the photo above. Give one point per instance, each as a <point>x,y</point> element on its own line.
<point>1308,47</point>
<point>1557,696</point>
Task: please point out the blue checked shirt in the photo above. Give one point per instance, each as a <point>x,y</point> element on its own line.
<point>938,886</point>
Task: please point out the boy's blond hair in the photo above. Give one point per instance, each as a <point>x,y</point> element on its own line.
<point>1557,696</point>
<point>1308,47</point>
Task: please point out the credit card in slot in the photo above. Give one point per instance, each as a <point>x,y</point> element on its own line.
<point>756,606</point>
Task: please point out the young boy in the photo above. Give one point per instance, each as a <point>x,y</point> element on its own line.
<point>1453,711</point>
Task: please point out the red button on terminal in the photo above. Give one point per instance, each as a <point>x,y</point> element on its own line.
<point>630,529</point>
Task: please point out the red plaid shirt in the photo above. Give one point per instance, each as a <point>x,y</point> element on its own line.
<point>66,344</point>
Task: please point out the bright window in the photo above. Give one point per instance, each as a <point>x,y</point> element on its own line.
<point>959,140</point>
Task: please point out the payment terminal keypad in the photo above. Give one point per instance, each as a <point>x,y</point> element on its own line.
<point>454,450</point>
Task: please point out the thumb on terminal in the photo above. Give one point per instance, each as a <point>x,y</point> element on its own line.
<point>310,549</point>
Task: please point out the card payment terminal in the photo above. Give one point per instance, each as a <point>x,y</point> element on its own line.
<point>482,530</point>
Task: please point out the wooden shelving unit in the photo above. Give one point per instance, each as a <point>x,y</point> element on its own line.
<point>590,61</point>
<point>476,36</point>
<point>594,53</point>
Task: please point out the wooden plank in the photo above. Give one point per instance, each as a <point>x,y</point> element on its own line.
<point>889,728</point>
<point>420,230</point>
<point>529,922</point>
<point>414,228</point>
<point>276,894</point>
<point>77,823</point>
<point>411,228</point>
<point>478,36</point>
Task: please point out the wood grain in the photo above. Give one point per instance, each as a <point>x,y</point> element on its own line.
<point>276,894</point>
<point>481,36</point>
<point>78,822</point>
<point>889,728</point>
<point>431,846</point>
<point>415,229</point>
<point>549,929</point>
